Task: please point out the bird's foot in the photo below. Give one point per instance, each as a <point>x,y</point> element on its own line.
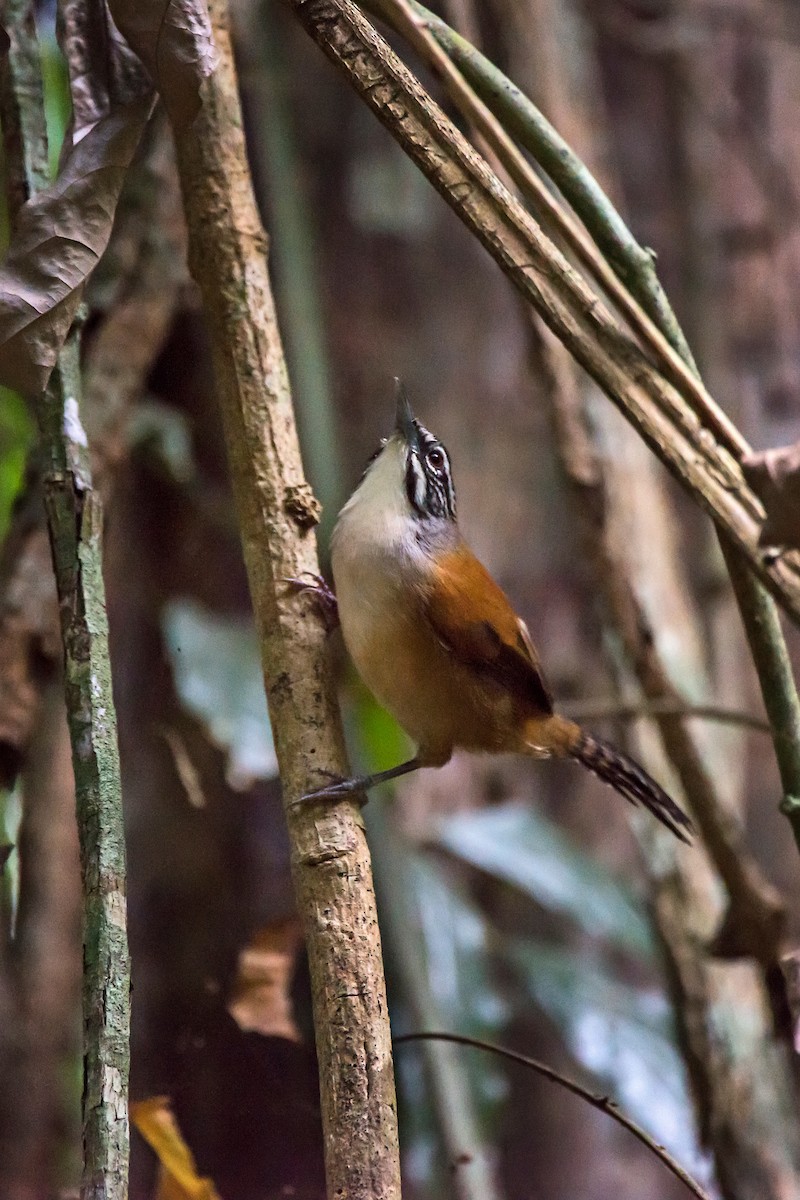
<point>337,789</point>
<point>359,786</point>
<point>309,581</point>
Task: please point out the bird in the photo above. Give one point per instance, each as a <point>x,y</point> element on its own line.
<point>436,639</point>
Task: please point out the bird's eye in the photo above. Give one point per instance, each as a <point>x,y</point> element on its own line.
<point>436,458</point>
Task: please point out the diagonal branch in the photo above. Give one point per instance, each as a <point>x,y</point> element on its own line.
<point>604,1103</point>
<point>542,275</point>
<point>627,276</point>
<point>635,278</point>
<point>521,117</point>
<point>413,21</point>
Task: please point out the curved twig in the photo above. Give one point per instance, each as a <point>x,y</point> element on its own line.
<point>604,1103</point>
<point>595,710</point>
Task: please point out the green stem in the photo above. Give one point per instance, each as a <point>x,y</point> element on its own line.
<point>74,521</point>
<point>775,676</point>
<point>74,518</point>
<point>296,261</point>
<point>22,107</point>
<point>634,266</point>
<point>632,263</point>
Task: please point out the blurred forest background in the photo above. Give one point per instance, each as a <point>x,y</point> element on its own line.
<point>521,903</point>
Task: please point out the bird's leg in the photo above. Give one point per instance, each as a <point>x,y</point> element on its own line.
<point>346,787</point>
<point>309,581</point>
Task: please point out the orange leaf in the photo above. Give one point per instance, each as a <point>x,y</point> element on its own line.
<point>179,1180</point>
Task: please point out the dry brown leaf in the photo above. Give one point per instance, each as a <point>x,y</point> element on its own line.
<point>56,242</point>
<point>104,73</point>
<point>261,999</point>
<point>174,41</point>
<point>774,475</point>
<point>179,1179</point>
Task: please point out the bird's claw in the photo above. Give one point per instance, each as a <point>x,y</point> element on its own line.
<point>337,789</point>
<point>310,581</point>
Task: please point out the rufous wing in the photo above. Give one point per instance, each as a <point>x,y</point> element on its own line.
<point>473,619</point>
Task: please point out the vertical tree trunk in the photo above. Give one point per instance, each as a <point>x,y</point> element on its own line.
<point>277,514</point>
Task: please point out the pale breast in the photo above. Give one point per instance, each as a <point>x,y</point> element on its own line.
<point>383,571</point>
<point>437,700</point>
<point>372,583</point>
<point>378,573</point>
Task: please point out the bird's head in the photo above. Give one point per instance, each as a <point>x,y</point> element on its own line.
<point>418,463</point>
<point>407,487</point>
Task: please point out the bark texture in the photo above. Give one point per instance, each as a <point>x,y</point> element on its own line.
<point>74,520</point>
<point>542,275</point>
<point>277,514</point>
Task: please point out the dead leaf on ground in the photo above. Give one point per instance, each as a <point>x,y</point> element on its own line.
<point>179,1179</point>
<point>57,240</point>
<point>261,1000</point>
<point>774,476</point>
<point>173,39</point>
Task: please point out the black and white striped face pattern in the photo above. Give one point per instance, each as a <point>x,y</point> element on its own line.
<point>429,482</point>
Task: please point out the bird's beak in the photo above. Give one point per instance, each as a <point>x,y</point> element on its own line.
<point>404,418</point>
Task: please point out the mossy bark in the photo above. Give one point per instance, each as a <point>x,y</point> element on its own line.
<point>75,522</point>
<point>74,519</point>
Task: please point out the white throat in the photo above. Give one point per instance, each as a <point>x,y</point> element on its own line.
<point>378,515</point>
<point>383,556</point>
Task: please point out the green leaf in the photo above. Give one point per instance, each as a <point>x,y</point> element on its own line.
<point>439,973</point>
<point>438,946</point>
<point>55,81</point>
<point>216,665</point>
<point>456,946</point>
<point>16,435</point>
<point>380,741</point>
<point>518,845</point>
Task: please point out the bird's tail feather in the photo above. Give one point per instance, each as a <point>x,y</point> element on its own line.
<point>631,781</point>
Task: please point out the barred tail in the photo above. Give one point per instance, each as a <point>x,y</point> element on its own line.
<point>631,781</point>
